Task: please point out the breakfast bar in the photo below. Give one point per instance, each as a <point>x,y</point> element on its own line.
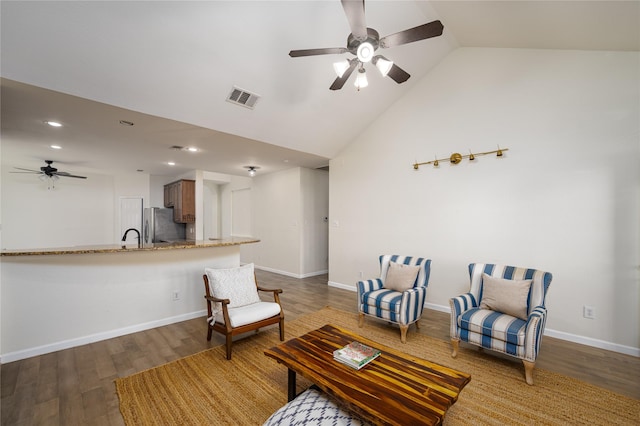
<point>56,298</point>
<point>128,248</point>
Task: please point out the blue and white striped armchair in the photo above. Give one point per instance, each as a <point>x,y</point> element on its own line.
<point>398,307</point>
<point>478,317</point>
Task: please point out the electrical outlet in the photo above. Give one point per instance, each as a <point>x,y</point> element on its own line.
<point>361,274</point>
<point>175,295</point>
<point>589,312</point>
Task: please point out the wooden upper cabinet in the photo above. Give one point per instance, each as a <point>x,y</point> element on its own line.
<point>181,195</point>
<point>170,192</point>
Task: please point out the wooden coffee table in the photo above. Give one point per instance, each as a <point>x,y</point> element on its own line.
<point>394,389</point>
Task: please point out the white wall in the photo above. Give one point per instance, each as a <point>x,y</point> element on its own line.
<point>288,213</point>
<point>212,207</point>
<point>211,210</point>
<point>76,212</point>
<point>565,198</point>
<point>226,212</point>
<point>314,186</point>
<point>277,220</point>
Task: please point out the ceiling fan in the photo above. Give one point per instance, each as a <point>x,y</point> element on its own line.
<point>49,171</point>
<point>363,42</point>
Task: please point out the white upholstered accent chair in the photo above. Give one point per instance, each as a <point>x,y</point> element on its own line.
<point>398,295</point>
<point>503,311</point>
<point>234,305</point>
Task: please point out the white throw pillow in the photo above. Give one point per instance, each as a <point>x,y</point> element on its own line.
<point>401,277</point>
<point>506,296</point>
<point>236,284</point>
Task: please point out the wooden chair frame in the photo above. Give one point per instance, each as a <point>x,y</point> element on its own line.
<point>226,329</point>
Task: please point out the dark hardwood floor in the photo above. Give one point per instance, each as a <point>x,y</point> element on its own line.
<point>75,386</point>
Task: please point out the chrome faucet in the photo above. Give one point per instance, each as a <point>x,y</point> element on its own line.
<point>124,237</point>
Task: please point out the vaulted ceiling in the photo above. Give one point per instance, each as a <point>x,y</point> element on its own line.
<point>168,67</point>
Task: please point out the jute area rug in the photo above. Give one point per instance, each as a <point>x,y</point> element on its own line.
<point>206,389</point>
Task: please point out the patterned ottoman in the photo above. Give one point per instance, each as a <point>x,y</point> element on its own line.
<point>314,407</point>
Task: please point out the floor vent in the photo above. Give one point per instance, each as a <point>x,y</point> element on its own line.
<point>243,98</point>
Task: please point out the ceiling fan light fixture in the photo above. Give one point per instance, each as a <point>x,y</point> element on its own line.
<point>365,52</point>
<point>364,41</point>
<point>384,65</point>
<point>361,79</point>
<point>251,170</point>
<point>341,67</point>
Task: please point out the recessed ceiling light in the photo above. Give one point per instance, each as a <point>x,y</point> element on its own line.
<point>192,149</point>
<point>171,163</point>
<point>55,147</point>
<point>53,123</point>
<point>126,123</point>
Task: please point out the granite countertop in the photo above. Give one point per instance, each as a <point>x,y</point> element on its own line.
<point>119,248</point>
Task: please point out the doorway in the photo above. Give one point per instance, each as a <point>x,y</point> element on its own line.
<point>131,210</point>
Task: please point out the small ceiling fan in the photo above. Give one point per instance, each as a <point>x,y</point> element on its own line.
<point>363,42</point>
<point>48,171</point>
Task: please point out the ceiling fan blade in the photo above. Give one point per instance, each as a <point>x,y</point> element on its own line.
<point>340,81</point>
<point>25,170</point>
<point>65,174</point>
<point>421,32</point>
<point>312,52</point>
<point>397,74</point>
<point>354,9</point>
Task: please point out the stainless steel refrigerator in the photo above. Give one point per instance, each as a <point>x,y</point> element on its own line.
<point>159,226</point>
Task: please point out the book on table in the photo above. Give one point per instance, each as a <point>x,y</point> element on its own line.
<point>356,355</point>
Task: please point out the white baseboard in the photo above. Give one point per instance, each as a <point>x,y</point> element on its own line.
<point>291,274</point>
<point>596,343</point>
<point>439,308</point>
<point>582,340</point>
<point>315,274</point>
<point>342,286</point>
<point>66,344</point>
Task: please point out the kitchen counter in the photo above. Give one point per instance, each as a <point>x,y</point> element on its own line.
<point>57,298</point>
<point>120,248</point>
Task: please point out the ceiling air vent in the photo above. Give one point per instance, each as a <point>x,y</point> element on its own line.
<point>242,97</point>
